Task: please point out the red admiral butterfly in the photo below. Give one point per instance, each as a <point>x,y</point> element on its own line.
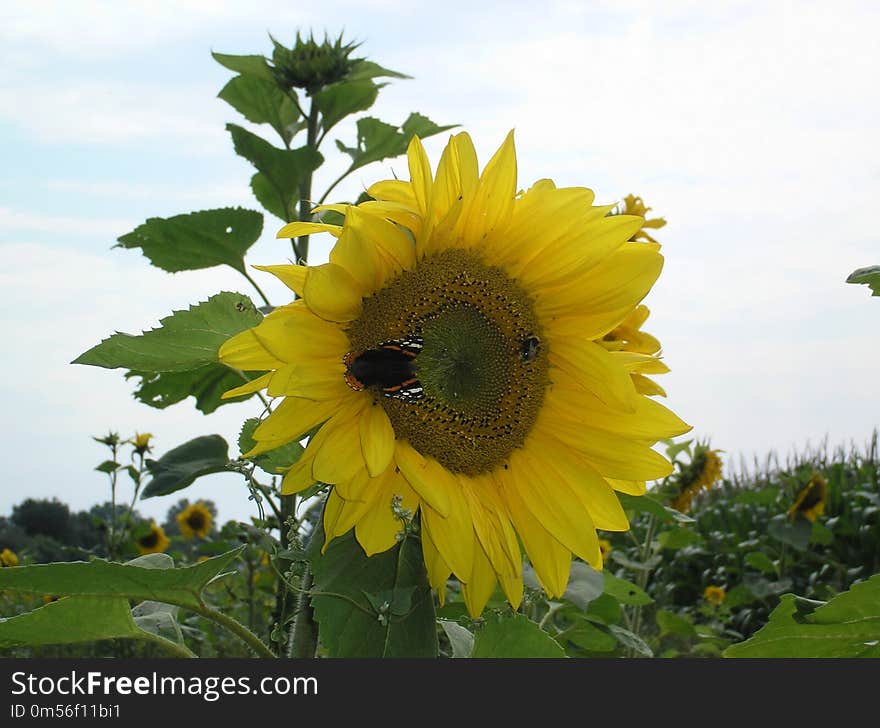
<point>390,367</point>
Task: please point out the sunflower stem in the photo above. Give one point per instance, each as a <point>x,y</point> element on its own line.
<point>304,633</point>
<point>256,287</point>
<point>238,629</point>
<point>301,244</point>
<point>642,577</point>
<point>174,648</point>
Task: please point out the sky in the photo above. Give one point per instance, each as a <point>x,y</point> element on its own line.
<point>750,126</point>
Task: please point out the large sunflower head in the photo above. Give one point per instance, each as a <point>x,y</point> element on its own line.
<point>195,521</point>
<point>153,541</point>
<point>449,357</point>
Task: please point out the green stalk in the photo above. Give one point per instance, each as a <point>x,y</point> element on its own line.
<point>301,244</point>
<point>304,635</point>
<point>238,629</point>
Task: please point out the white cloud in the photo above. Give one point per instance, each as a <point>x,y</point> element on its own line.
<point>17,221</point>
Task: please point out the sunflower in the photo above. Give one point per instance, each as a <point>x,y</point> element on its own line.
<point>703,472</point>
<point>141,442</point>
<point>154,541</point>
<point>8,558</point>
<point>810,500</point>
<point>605,548</point>
<point>447,358</point>
<point>715,595</point>
<point>195,520</point>
<point>633,205</point>
<point>642,355</point>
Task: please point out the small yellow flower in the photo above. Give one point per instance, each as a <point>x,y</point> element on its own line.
<point>141,442</point>
<point>8,558</point>
<point>810,500</point>
<point>714,595</point>
<point>633,205</point>
<point>195,520</point>
<point>604,548</point>
<point>154,542</point>
<point>49,598</point>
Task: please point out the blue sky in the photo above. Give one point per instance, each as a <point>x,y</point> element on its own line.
<point>750,126</point>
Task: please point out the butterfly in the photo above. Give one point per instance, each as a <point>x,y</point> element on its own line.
<point>390,367</point>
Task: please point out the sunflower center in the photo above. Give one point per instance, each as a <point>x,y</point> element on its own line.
<point>482,365</point>
<point>196,521</point>
<point>150,540</point>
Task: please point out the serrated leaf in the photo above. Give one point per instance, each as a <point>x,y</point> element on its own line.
<point>460,638</point>
<point>350,626</point>
<point>185,341</point>
<point>69,621</point>
<point>869,276</point>
<point>338,100</point>
<point>377,140</point>
<point>273,461</point>
<point>514,636</point>
<point>262,102</point>
<point>646,504</point>
<point>846,626</point>
<point>207,384</point>
<point>283,169</point>
<point>180,467</point>
<point>197,240</point>
<point>625,591</point>
<point>99,578</point>
<point>254,66</point>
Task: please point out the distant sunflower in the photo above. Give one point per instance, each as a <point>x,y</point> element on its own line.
<point>703,472</point>
<point>153,542</point>
<point>715,595</point>
<point>448,355</point>
<point>810,500</point>
<point>195,520</point>
<point>633,205</point>
<point>637,350</point>
<point>8,558</point>
<point>605,548</point>
<point>141,442</point>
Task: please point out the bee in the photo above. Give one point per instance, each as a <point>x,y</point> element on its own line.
<point>390,368</point>
<point>528,350</point>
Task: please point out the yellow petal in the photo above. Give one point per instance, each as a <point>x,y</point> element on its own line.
<point>393,190</point>
<point>631,487</point>
<point>255,385</point>
<point>594,369</point>
<point>292,276</point>
<point>438,569</point>
<point>332,293</point>
<point>420,175</point>
<point>481,584</point>
<point>246,352</point>
<point>377,438</point>
<point>338,456</point>
<point>296,228</point>
<point>453,535</point>
<point>492,203</point>
<point>379,529</point>
<point>430,480</point>
<point>319,380</point>
<point>292,419</point>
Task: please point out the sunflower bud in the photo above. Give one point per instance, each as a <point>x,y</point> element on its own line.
<point>141,442</point>
<point>310,65</point>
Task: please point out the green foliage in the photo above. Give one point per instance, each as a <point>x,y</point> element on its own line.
<point>207,384</point>
<point>181,466</point>
<point>869,276</point>
<point>197,239</point>
<point>514,636</point>
<point>846,626</point>
<point>187,340</point>
<point>261,101</point>
<point>372,607</point>
<point>273,461</point>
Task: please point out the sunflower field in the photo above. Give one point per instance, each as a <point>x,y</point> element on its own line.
<point>457,444</point>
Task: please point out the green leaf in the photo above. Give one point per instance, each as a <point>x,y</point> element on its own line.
<point>283,170</point>
<point>104,579</point>
<point>672,623</point>
<point>68,621</point>
<point>269,462</point>
<point>186,340</point>
<point>625,591</point>
<point>796,534</point>
<point>646,504</point>
<point>254,66</point>
<point>460,638</point>
<point>631,640</point>
<point>207,384</point>
<point>763,588</point>
<point>159,619</point>
<point>197,239</point>
<point>338,100</point>
<point>869,276</point>
<point>515,636</point>
<point>674,448</point>
<point>350,625</point>
<point>820,534</point>
<point>377,140</point>
<point>364,69</point>
<point>108,466</point>
<point>678,538</point>
<point>846,626</point>
<point>760,561</point>
<point>584,584</point>
<point>262,102</point>
<point>179,467</point>
<point>588,636</point>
